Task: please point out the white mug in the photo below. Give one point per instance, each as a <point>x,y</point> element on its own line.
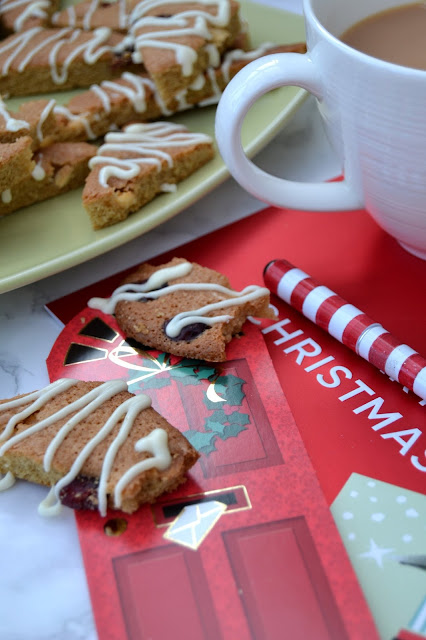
<point>375,117</point>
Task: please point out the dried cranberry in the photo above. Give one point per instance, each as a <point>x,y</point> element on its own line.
<point>188,333</point>
<point>81,493</point>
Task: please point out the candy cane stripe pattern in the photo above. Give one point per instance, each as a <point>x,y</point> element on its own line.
<point>351,326</point>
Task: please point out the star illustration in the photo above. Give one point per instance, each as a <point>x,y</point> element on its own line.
<point>376,553</point>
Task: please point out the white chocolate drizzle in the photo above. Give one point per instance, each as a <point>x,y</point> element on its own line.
<point>81,118</point>
<point>144,9</point>
<point>44,114</point>
<point>38,172</point>
<point>148,141</point>
<point>238,55</point>
<point>219,19</point>
<point>214,55</point>
<point>216,92</point>
<point>40,399</point>
<point>11,124</point>
<point>103,97</point>
<point>150,289</point>
<point>168,187</point>
<point>135,93</point>
<point>198,83</point>
<point>6,196</point>
<point>91,49</point>
<point>155,443</point>
<point>158,37</point>
<point>30,9</point>
<point>7,481</point>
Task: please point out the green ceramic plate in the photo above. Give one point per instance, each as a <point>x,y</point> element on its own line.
<point>54,235</point>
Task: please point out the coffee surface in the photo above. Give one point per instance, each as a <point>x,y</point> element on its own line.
<point>397,35</point>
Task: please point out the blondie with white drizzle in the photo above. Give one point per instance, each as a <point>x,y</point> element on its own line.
<point>97,445</point>
<point>19,15</point>
<point>43,60</point>
<point>136,164</point>
<point>183,308</point>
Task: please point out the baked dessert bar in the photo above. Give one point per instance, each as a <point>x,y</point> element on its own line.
<point>183,308</point>
<point>45,60</point>
<point>129,98</point>
<point>97,445</point>
<point>175,48</point>
<point>57,169</point>
<point>138,163</point>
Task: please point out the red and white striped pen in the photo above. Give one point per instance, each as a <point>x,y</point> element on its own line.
<point>351,326</point>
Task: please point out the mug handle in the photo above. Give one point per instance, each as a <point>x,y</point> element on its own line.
<point>250,83</point>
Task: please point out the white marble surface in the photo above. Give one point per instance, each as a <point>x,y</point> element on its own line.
<point>43,591</point>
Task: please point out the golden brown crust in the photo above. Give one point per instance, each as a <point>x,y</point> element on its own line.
<point>145,321</point>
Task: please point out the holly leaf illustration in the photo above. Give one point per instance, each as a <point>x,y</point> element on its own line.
<point>189,362</point>
<point>231,431</point>
<point>211,425</point>
<point>179,372</point>
<point>230,427</point>
<point>233,389</point>
<point>217,417</point>
<point>155,382</point>
<point>185,375</point>
<point>239,418</point>
<point>205,373</point>
<point>226,426</point>
<point>201,441</point>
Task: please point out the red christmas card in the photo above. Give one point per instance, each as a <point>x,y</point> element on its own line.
<point>247,548</point>
<point>356,423</point>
